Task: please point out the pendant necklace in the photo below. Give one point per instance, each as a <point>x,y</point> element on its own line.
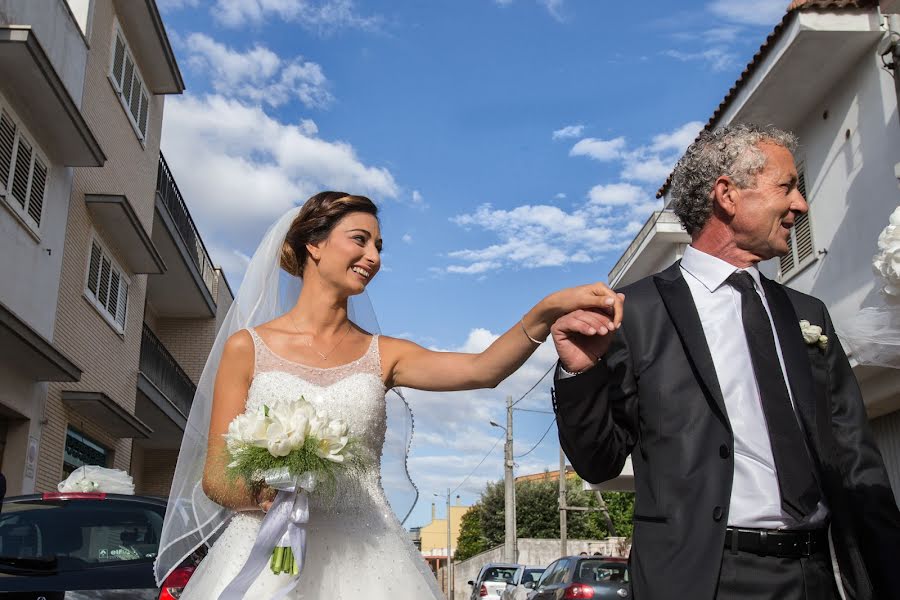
<point>309,345</point>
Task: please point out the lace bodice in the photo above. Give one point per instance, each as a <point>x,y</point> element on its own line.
<point>353,392</point>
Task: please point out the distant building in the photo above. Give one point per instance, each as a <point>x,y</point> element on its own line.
<point>433,536</point>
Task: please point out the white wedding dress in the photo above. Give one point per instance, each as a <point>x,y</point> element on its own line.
<point>356,547</point>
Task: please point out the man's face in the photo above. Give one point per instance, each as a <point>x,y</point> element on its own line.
<point>765,213</point>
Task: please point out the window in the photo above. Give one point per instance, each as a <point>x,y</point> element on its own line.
<point>128,83</point>
<point>107,286</point>
<point>23,172</point>
<point>801,251</point>
<point>82,450</point>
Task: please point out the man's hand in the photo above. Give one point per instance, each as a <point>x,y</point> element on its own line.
<point>582,337</point>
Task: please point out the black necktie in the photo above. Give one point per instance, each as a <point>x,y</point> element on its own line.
<point>799,491</point>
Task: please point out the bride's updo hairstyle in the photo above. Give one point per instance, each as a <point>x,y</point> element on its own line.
<point>315,221</point>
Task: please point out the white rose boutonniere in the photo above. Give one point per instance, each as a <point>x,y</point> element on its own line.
<point>812,334</point>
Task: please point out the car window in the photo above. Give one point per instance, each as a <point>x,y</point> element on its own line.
<point>597,571</point>
<point>94,531</point>
<point>499,574</point>
<point>559,573</point>
<point>531,575</point>
<point>548,573</point>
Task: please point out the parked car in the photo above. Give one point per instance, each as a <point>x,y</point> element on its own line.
<point>526,577</point>
<point>492,580</point>
<point>83,546</point>
<point>576,577</point>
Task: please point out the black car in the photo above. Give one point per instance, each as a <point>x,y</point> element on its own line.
<point>83,546</point>
<point>576,577</point>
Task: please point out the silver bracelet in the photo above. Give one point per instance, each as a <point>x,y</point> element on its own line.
<point>533,341</point>
<point>572,374</point>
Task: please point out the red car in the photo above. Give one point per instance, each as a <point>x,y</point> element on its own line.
<point>81,546</point>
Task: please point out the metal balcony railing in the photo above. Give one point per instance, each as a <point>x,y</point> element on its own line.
<point>171,196</point>
<point>165,373</point>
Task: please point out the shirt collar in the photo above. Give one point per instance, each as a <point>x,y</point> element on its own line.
<point>712,271</point>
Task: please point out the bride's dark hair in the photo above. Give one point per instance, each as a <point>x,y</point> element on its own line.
<point>315,221</point>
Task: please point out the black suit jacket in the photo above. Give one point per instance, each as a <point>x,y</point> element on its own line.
<point>655,395</point>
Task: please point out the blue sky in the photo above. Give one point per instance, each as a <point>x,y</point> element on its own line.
<point>514,147</point>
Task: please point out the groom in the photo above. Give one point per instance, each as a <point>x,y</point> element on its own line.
<point>750,444</point>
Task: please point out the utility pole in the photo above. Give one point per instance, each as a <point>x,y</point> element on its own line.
<point>563,551</point>
<point>450,585</point>
<point>510,545</point>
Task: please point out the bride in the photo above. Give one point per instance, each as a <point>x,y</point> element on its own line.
<point>325,347</point>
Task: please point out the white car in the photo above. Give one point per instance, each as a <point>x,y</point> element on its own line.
<point>492,580</point>
<point>523,582</point>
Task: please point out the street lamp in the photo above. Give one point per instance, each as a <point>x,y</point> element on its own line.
<point>510,549</point>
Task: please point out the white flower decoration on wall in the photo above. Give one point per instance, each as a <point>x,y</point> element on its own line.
<point>887,261</point>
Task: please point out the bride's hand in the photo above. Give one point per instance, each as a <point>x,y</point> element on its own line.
<point>582,337</point>
<point>597,297</point>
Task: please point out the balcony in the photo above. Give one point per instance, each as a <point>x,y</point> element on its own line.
<point>147,37</point>
<point>186,289</point>
<point>164,393</point>
<point>655,247</point>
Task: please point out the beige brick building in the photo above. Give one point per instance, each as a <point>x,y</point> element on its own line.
<point>138,301</point>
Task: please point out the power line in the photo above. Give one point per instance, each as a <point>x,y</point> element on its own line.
<point>533,448</point>
<point>536,383</point>
<point>533,410</point>
<point>480,463</point>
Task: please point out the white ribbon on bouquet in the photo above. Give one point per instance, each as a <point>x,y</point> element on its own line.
<point>284,525</point>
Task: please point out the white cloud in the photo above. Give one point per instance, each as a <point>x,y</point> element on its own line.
<point>758,12</point>
<point>647,169</point>
<point>554,7</point>
<point>258,74</point>
<point>309,127</point>
<point>167,5</point>
<point>560,196</point>
<point>322,15</point>
<point>453,433</point>
<point>616,194</point>
<point>239,168</point>
<point>602,150</point>
<point>569,131</point>
<point>677,140</point>
<point>407,238</point>
<point>718,58</point>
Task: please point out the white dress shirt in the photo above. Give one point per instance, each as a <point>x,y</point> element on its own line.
<point>755,497</point>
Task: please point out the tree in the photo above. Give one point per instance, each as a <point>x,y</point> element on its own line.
<point>471,537</point>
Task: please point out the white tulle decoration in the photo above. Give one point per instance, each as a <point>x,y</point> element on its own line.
<point>873,334</point>
<point>887,261</point>
<point>91,478</point>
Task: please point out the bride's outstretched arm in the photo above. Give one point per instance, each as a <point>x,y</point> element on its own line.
<point>229,399</point>
<point>407,364</point>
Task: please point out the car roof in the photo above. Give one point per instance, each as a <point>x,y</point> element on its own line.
<point>56,496</point>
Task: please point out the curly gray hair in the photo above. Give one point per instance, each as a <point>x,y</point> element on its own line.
<point>733,151</point>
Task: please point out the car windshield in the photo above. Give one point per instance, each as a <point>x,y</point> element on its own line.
<point>597,571</point>
<point>93,531</point>
<point>532,575</point>
<point>502,574</point>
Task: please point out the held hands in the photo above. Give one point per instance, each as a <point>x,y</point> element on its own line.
<point>584,334</point>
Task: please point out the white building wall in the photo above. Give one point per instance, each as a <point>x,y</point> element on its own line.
<point>59,34</point>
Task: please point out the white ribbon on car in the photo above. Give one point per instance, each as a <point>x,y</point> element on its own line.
<point>284,525</point>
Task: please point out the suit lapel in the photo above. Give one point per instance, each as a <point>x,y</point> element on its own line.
<point>796,356</point>
<point>682,311</point>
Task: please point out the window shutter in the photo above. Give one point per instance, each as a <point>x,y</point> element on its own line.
<point>103,295</point>
<point>36,194</point>
<point>786,262</point>
<point>127,79</point>
<point>134,102</point>
<point>802,234</point>
<point>114,280</point>
<point>118,61</point>
<point>145,108</point>
<point>94,268</point>
<point>122,303</point>
<point>7,141</point>
<point>21,169</point>
<point>801,181</point>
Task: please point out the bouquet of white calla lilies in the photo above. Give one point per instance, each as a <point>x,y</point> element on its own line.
<point>294,439</point>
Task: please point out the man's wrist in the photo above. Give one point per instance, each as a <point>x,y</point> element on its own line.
<point>569,373</point>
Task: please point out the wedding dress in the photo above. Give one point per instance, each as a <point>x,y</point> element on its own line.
<point>356,546</point>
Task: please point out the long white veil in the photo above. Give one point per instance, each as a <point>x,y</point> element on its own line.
<point>265,293</point>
